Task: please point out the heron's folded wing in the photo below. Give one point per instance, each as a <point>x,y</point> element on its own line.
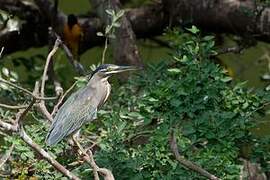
<point>70,118</point>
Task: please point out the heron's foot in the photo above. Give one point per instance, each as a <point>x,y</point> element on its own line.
<point>75,140</point>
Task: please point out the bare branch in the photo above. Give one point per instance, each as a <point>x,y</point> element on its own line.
<point>49,57</point>
<point>8,127</point>
<point>13,107</point>
<point>45,112</point>
<point>7,155</point>
<point>104,51</point>
<point>187,163</point>
<point>1,52</point>
<point>46,155</point>
<point>25,90</point>
<point>234,49</point>
<point>88,157</point>
<point>55,109</point>
<point>77,66</point>
<point>22,113</point>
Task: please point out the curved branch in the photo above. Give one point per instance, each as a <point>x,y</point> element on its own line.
<point>46,155</point>
<point>187,163</point>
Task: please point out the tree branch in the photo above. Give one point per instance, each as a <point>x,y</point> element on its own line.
<point>185,162</point>
<point>55,109</point>
<point>25,90</point>
<point>46,155</point>
<point>6,156</point>
<point>13,107</point>
<point>49,57</point>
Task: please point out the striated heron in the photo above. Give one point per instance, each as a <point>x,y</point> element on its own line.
<point>82,106</point>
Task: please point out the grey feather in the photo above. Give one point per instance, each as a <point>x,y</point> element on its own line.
<point>80,107</point>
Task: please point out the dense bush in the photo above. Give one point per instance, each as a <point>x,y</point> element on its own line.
<point>187,93</point>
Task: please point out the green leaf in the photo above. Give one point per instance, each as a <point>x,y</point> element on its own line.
<point>120,13</point>
<point>116,24</point>
<point>226,79</point>
<point>208,38</point>
<point>193,29</point>
<point>4,86</point>
<point>100,34</point>
<point>5,71</point>
<point>174,70</point>
<point>110,12</point>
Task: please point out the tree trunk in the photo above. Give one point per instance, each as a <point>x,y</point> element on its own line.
<point>125,51</point>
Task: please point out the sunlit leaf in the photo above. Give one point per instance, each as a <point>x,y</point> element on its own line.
<point>193,29</point>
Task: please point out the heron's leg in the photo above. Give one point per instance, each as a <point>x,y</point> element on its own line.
<point>89,157</point>
<point>75,139</point>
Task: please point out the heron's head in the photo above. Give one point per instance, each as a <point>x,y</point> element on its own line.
<point>106,70</point>
<point>71,20</point>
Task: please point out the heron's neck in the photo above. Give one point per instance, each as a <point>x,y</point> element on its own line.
<point>96,80</point>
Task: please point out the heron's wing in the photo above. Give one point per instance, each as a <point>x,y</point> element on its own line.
<point>71,116</point>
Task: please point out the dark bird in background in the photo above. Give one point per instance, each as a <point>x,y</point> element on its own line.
<point>73,34</point>
<point>82,106</point>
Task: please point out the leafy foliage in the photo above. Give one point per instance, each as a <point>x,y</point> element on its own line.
<point>188,93</point>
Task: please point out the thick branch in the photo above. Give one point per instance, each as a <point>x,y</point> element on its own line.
<point>145,21</point>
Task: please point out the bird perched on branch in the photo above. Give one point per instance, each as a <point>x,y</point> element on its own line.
<point>82,106</point>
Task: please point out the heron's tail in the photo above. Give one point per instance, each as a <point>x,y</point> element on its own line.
<point>54,136</point>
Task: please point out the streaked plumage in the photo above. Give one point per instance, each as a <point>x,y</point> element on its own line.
<point>82,106</point>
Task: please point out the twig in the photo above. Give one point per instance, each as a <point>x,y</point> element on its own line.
<point>88,158</point>
<point>7,155</point>
<point>234,49</point>
<point>77,66</point>
<point>8,127</point>
<point>41,106</point>
<point>44,111</point>
<point>55,109</point>
<point>13,107</point>
<point>46,155</point>
<point>22,113</point>
<point>104,51</point>
<point>49,57</point>
<point>1,52</point>
<point>187,163</point>
<point>25,90</point>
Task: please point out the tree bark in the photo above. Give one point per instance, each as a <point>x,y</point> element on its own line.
<point>124,46</point>
<point>233,16</point>
<point>240,17</point>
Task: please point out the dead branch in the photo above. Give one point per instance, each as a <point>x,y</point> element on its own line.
<point>25,90</point>
<point>1,52</point>
<point>7,127</point>
<point>18,128</point>
<point>55,109</point>
<point>46,155</point>
<point>49,57</point>
<point>88,157</point>
<point>7,155</point>
<point>36,147</point>
<point>12,107</point>
<point>185,162</point>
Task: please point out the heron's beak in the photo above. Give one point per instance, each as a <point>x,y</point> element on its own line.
<point>118,69</point>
